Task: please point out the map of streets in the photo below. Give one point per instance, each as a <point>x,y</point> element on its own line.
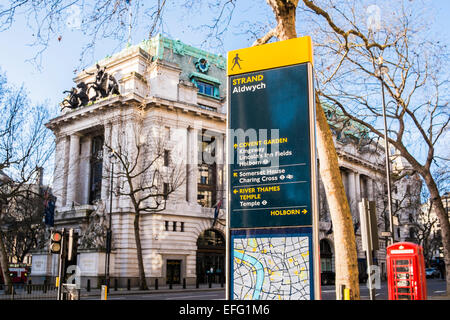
<point>271,268</point>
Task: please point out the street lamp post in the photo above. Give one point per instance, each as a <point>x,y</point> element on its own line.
<point>109,230</point>
<point>382,69</point>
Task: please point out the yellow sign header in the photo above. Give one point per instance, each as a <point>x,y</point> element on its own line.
<point>271,55</point>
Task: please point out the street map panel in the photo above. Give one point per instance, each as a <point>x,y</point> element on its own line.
<point>271,268</point>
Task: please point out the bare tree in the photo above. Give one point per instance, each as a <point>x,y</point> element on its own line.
<point>23,223</point>
<point>425,226</point>
<point>25,146</point>
<point>415,85</point>
<point>106,19</point>
<point>146,172</point>
<point>354,52</point>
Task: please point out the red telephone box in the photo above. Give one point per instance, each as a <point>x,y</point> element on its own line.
<point>406,272</point>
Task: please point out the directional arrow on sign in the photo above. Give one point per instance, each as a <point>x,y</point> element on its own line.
<point>235,191</point>
<point>304,211</point>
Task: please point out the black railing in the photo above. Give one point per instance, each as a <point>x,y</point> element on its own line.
<point>22,291</point>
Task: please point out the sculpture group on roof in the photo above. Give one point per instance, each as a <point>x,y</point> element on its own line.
<point>104,85</point>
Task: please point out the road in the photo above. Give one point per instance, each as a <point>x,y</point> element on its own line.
<point>435,287</point>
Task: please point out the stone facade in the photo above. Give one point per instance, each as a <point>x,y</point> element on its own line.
<point>162,94</point>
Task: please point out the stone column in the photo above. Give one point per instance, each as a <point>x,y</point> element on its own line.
<point>66,169</point>
<point>220,142</point>
<point>85,170</point>
<point>351,195</point>
<point>370,189</point>
<point>192,167</point>
<point>357,188</point>
<point>344,177</point>
<point>72,178</point>
<point>106,167</point>
<point>58,175</point>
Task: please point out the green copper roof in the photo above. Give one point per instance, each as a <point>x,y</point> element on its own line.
<point>156,45</point>
<point>204,77</point>
<point>340,121</point>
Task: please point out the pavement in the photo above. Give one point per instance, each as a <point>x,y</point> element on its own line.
<point>161,290</point>
<point>435,289</point>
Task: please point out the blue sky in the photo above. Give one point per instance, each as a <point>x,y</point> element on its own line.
<point>62,57</point>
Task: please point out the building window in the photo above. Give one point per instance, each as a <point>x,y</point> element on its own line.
<point>205,88</point>
<point>205,107</point>
<point>205,198</point>
<point>165,190</point>
<point>182,226</point>
<point>208,87</point>
<point>166,225</point>
<point>95,185</point>
<point>166,158</point>
<point>174,226</point>
<point>412,233</point>
<point>167,133</point>
<point>207,177</point>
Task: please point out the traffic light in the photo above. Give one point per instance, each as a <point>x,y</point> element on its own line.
<point>55,242</point>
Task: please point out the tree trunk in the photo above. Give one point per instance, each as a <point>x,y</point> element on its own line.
<point>346,261</point>
<point>285,11</point>
<point>4,263</point>
<point>437,205</point>
<point>137,236</point>
<point>344,238</point>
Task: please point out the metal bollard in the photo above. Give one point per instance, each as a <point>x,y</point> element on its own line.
<point>156,284</point>
<point>346,293</point>
<point>115,284</point>
<point>29,287</point>
<point>197,283</point>
<point>104,293</point>
<point>170,284</point>
<point>88,287</point>
<point>128,284</point>
<point>210,281</point>
<point>184,283</point>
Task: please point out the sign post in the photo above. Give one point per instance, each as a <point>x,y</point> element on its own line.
<point>369,235</point>
<point>272,247</point>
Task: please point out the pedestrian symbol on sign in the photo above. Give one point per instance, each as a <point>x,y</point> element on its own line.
<point>236,61</point>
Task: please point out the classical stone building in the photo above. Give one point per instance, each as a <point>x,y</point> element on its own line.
<point>175,94</point>
<point>171,98</point>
